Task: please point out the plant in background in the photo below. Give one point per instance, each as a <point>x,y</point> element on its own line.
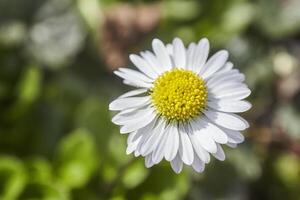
<point>183,108</point>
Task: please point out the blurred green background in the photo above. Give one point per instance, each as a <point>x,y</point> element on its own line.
<point>56,63</point>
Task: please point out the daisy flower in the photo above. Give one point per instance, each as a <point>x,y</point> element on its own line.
<point>182,109</point>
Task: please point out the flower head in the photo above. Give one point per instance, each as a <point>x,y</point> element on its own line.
<point>183,107</point>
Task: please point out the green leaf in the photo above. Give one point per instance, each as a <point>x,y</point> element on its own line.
<point>44,191</point>
<point>39,170</point>
<point>117,149</point>
<point>238,17</point>
<point>161,183</point>
<point>180,188</point>
<point>135,174</point>
<point>76,159</point>
<point>12,178</point>
<point>109,172</point>
<point>28,90</point>
<point>288,169</point>
<point>92,114</point>
<point>181,10</point>
<point>29,86</point>
<point>91,12</point>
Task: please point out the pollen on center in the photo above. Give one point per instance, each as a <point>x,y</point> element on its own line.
<point>179,95</point>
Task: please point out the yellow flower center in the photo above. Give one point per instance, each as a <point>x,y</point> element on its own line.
<point>179,95</point>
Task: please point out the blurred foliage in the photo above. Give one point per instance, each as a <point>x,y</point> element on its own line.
<point>56,62</point>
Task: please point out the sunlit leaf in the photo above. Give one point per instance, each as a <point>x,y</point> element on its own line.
<point>288,168</point>
<point>12,178</point>
<point>29,86</point>
<point>134,175</point>
<point>39,170</point>
<point>76,159</point>
<point>44,191</point>
<point>181,10</point>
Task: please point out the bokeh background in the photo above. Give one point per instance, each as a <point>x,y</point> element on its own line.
<point>56,80</point>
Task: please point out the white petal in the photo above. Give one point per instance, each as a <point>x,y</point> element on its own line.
<point>123,116</point>
<point>143,66</point>
<point>191,51</point>
<point>199,150</point>
<point>129,102</point>
<point>132,137</point>
<point>220,155</point>
<point>207,143</point>
<point>162,54</point>
<point>234,136</point>
<point>138,123</point>
<point>151,142</point>
<point>126,82</point>
<point>177,164</point>
<point>227,67</point>
<point>229,105</point>
<point>146,133</point>
<point>201,55</point>
<point>132,75</point>
<point>119,117</point>
<point>148,161</point>
<point>133,93</point>
<point>179,54</point>
<point>214,64</point>
<point>235,93</point>
<point>225,86</point>
<point>152,61</point>
<point>169,48</point>
<point>136,75</point>
<point>185,146</point>
<point>133,81</point>
<point>136,153</point>
<point>230,121</point>
<point>220,78</point>
<point>216,133</point>
<point>132,142</point>
<point>131,148</point>
<point>172,143</point>
<point>232,145</point>
<point>127,116</point>
<point>198,165</point>
<point>158,153</point>
<point>203,135</point>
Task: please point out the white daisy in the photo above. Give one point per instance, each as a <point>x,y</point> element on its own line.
<point>183,108</point>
